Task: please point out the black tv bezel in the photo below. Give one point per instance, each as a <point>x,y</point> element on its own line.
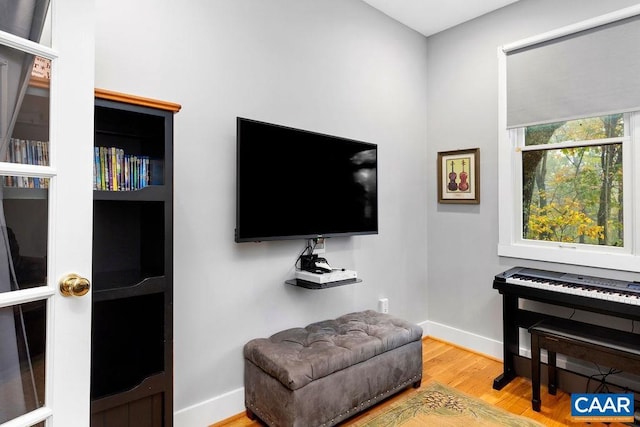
<point>238,239</point>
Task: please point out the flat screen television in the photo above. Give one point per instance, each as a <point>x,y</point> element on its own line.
<point>297,184</point>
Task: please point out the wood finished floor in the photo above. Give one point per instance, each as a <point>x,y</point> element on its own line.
<point>473,374</point>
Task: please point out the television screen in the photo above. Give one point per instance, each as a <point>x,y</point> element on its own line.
<point>293,184</point>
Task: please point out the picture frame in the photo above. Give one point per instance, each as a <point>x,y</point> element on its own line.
<point>459,176</point>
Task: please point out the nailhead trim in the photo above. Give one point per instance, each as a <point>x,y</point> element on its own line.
<point>345,414</point>
<point>375,399</point>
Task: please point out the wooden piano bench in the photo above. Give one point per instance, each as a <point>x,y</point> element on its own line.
<point>610,347</point>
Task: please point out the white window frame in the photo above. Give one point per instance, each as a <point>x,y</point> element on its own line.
<point>510,147</point>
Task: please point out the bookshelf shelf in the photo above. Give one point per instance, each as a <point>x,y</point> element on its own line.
<point>13,193</point>
<point>132,332</point>
<point>105,287</point>
<point>148,193</point>
<point>147,389</point>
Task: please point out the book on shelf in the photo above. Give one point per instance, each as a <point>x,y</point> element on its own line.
<point>115,170</point>
<point>29,152</point>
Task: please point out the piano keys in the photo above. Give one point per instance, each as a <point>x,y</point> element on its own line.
<point>575,284</point>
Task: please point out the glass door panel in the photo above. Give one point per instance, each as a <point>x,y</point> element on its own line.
<point>23,265</point>
<point>22,376</point>
<point>24,107</point>
<point>26,19</point>
<point>24,226</point>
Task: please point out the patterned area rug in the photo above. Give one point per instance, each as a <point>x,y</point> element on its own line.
<point>439,405</point>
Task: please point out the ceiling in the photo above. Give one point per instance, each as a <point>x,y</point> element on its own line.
<point>431,16</point>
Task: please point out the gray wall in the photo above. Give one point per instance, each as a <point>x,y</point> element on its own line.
<point>337,67</point>
<point>462,82</point>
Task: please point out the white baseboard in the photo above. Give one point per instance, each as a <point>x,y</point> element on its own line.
<point>466,339</point>
<point>484,345</point>
<point>211,411</point>
<point>493,348</point>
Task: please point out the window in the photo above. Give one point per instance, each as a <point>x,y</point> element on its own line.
<point>572,181</point>
<point>569,192</point>
<point>568,189</point>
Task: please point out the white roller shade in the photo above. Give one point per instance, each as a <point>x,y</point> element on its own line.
<point>585,74</point>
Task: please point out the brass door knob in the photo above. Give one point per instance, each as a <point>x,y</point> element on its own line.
<point>74,285</point>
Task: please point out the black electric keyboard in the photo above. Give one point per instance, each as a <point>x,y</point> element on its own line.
<point>587,286</point>
<point>611,297</point>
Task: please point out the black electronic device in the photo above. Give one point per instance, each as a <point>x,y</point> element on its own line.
<point>297,184</point>
<point>314,264</point>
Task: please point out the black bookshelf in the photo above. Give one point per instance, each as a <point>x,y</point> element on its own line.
<point>132,333</point>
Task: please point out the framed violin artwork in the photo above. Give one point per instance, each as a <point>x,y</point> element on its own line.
<point>459,176</point>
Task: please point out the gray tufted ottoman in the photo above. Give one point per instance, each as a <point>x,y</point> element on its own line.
<point>330,370</point>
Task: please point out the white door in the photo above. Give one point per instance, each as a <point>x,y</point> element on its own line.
<point>46,146</point>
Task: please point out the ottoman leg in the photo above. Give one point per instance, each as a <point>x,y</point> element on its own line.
<point>251,415</point>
